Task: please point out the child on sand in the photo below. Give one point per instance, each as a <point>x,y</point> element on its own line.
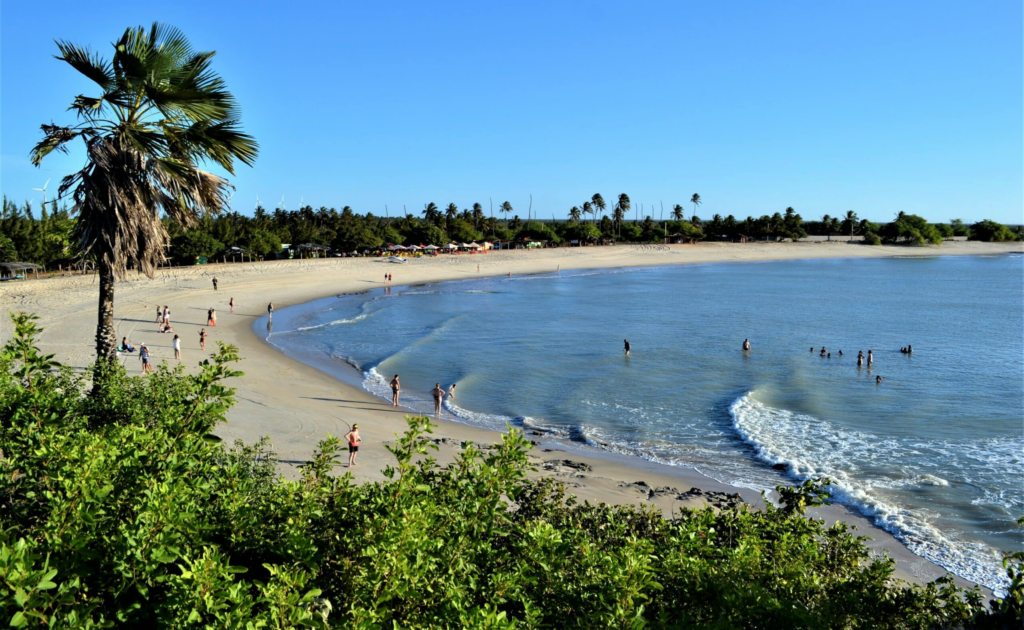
<point>353,439</point>
<point>231,303</point>
<point>202,339</point>
<point>177,347</point>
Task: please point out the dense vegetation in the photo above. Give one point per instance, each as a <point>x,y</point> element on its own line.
<point>46,238</point>
<point>120,508</point>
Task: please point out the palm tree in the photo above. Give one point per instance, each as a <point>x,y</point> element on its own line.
<point>450,213</point>
<point>827,222</point>
<point>161,114</point>
<point>430,212</point>
<point>599,205</point>
<point>478,215</point>
<point>618,214</point>
<point>695,200</point>
<point>574,214</point>
<point>851,219</point>
<point>677,212</point>
<point>587,208</point>
<point>505,208</point>
<point>623,206</point>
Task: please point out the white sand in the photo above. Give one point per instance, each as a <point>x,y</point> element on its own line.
<point>296,405</point>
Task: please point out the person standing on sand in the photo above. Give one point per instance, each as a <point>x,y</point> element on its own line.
<point>396,388</point>
<point>202,339</point>
<point>438,393</point>
<point>209,317</point>
<point>746,345</point>
<point>213,316</point>
<point>231,303</point>
<point>147,365</point>
<point>176,343</point>
<point>353,439</point>
<point>215,283</point>
<point>159,315</point>
<point>270,310</point>
<point>625,343</point>
<point>385,278</point>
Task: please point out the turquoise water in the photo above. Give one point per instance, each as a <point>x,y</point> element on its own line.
<point>934,454</point>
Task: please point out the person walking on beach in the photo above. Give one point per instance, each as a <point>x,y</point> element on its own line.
<point>176,343</point>
<point>390,278</point>
<point>353,439</point>
<point>215,283</point>
<point>209,317</point>
<point>231,303</point>
<point>385,278</point>
<point>159,314</point>
<point>438,393</point>
<point>270,310</point>
<point>202,339</point>
<point>396,388</point>
<point>746,345</point>
<point>625,343</point>
<point>147,366</point>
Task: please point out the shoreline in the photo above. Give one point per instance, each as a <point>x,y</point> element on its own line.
<point>297,405</point>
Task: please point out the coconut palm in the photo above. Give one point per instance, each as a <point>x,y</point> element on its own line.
<point>598,205</point>
<point>587,208</point>
<point>162,113</point>
<point>505,208</point>
<point>677,212</point>
<point>450,213</point>
<point>624,206</point>
<point>430,212</point>
<point>574,214</point>
<point>851,220</point>
<point>695,200</point>
<point>478,215</point>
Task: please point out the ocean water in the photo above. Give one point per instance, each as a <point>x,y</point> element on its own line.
<point>935,454</point>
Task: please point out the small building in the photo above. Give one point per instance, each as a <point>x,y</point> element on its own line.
<point>17,270</point>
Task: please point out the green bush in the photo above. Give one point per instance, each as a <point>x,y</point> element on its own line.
<point>872,239</point>
<point>186,247</point>
<point>120,508</point>
<point>990,231</point>
<point>8,253</point>
<point>910,229</point>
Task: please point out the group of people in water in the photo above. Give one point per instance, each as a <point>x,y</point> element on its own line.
<point>438,394</point>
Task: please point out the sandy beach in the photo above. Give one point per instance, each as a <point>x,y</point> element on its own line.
<point>297,405</point>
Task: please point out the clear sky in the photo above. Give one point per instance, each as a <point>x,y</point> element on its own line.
<point>824,106</point>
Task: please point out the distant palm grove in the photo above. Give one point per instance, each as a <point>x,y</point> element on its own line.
<point>45,236</point>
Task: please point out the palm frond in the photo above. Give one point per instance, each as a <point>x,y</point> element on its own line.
<point>87,62</point>
<point>55,138</point>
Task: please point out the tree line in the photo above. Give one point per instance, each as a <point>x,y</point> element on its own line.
<point>47,237</point>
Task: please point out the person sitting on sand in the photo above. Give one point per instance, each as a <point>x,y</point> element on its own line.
<point>396,388</point>
<point>353,439</point>
<point>746,345</point>
<point>438,393</point>
<point>127,345</point>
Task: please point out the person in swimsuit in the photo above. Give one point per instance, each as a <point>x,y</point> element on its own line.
<point>202,339</point>
<point>910,349</point>
<point>871,357</point>
<point>213,316</point>
<point>231,303</point>
<point>878,380</point>
<point>159,315</point>
<point>625,343</point>
<point>126,345</point>
<point>396,388</point>
<point>860,358</point>
<point>823,352</point>
<point>353,439</point>
<point>167,314</point>
<point>828,356</point>
<point>147,366</point>
<point>812,348</point>
<point>176,343</point>
<point>270,310</point>
<point>438,393</point>
<point>840,353</point>
<point>385,278</point>
<point>215,283</point>
<point>746,345</point>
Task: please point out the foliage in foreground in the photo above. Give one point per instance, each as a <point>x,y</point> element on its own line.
<point>122,509</point>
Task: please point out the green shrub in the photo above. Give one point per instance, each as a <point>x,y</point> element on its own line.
<point>872,239</point>
<point>121,508</point>
<point>990,231</point>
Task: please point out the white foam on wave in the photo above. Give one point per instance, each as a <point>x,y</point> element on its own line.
<point>337,322</point>
<point>810,447</point>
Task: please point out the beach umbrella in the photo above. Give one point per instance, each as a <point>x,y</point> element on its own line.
<point>432,247</point>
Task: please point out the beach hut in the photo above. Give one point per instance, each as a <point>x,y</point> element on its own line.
<point>16,270</point>
<point>312,250</point>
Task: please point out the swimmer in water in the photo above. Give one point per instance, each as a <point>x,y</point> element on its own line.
<point>823,352</point>
<point>910,349</point>
<point>840,353</point>
<point>746,345</point>
<point>626,344</point>
<point>871,357</point>
<point>860,358</point>
<point>878,380</point>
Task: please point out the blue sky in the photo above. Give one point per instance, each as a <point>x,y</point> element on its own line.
<point>872,106</point>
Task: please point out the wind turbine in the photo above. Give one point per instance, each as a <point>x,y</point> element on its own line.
<point>257,201</point>
<point>230,197</point>
<point>281,205</point>
<point>43,190</point>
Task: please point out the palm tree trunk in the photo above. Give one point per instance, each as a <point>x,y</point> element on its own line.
<point>106,341</point>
